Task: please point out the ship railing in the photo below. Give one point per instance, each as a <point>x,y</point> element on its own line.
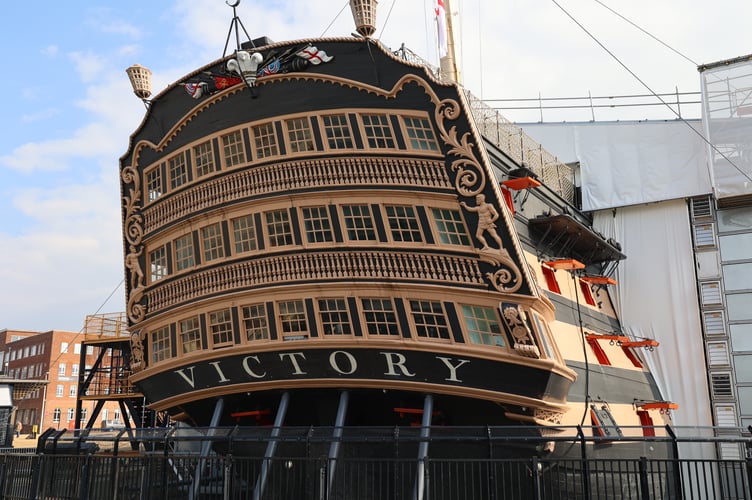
<point>106,325</point>
<point>462,463</point>
<point>510,138</point>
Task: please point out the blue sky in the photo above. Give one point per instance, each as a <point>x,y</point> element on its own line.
<point>68,109</point>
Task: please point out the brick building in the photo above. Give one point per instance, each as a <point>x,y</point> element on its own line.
<point>56,356</point>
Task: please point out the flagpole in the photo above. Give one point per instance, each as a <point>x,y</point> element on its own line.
<point>450,71</point>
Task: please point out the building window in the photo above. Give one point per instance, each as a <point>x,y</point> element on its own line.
<point>59,390</point>
<point>278,228</point>
<point>359,223</point>
<point>184,252</point>
<point>483,325</point>
<point>71,414</point>
<point>63,347</point>
<point>265,140</point>
<point>335,319</point>
<point>76,348</point>
<point>56,415</point>
<point>403,223</point>
<point>190,334</point>
<point>154,186</point>
<point>299,135</point>
<point>550,277</point>
<point>61,369</point>
<point>89,350</point>
<point>254,322</point>
<point>430,321</point>
<point>213,245</point>
<point>378,131</point>
<point>160,344</point>
<point>158,264</point>
<point>74,370</point>
<point>380,317</point>
<point>203,155</point>
<point>600,354</point>
<point>232,148</point>
<point>244,232</point>
<point>292,318</point>
<point>318,229</point>
<point>178,170</point>
<point>420,134</point>
<point>220,325</point>
<point>450,227</point>
<point>72,391</point>
<point>337,130</point>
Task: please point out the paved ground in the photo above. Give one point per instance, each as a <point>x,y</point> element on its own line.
<point>24,441</point>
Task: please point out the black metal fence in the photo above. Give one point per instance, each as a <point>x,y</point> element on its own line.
<point>370,464</point>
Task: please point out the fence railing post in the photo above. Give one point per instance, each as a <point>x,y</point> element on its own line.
<point>83,487</point>
<point>677,472</point>
<point>644,482</point>
<point>585,464</point>
<point>536,478</point>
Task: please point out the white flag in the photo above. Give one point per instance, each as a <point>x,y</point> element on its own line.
<point>442,28</point>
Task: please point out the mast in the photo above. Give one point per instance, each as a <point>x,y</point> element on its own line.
<point>450,71</point>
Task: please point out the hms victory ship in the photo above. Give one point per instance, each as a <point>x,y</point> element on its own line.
<point>329,233</point>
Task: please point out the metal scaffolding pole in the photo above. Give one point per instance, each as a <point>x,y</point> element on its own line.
<point>205,447</point>
<point>336,436</point>
<point>425,433</point>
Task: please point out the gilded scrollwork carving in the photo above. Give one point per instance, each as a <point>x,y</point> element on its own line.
<point>470,182</point>
<point>134,232</point>
<point>516,324</point>
<point>137,351</point>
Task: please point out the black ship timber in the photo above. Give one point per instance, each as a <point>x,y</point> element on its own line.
<point>327,238</point>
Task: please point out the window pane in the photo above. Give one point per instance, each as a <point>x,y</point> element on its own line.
<point>232,148</point>
<point>739,219</point>
<point>178,170</point>
<point>299,135</point>
<point>184,252</point>
<point>403,223</point>
<point>190,334</point>
<point>380,317</point>
<point>154,184</point>
<point>337,130</point>
<point>203,155</point>
<point>745,399</point>
<point>158,263</point>
<point>450,227</point>
<point>359,223</point>
<point>420,134</point>
<point>737,276</point>
<point>741,337</point>
<point>317,226</point>
<point>378,130</point>
<point>213,245</point>
<point>293,318</point>
<point>254,322</point>
<point>739,306</point>
<point>335,319</point>
<point>736,246</point>
<point>160,344</point>
<point>244,233</point>
<point>265,140</point>
<point>429,318</point>
<point>743,367</point>
<point>220,325</point>
<point>483,326</point>
<point>278,228</point>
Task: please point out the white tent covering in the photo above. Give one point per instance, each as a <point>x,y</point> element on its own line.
<point>656,296</point>
<point>630,163</point>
